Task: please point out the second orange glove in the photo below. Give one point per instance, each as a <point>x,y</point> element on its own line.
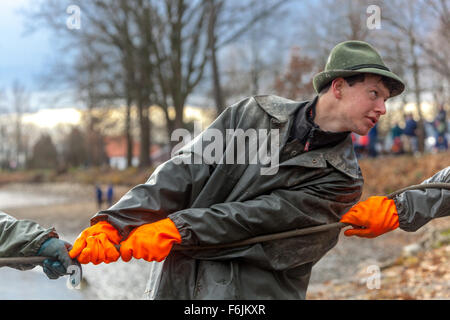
<point>373,217</point>
<point>96,244</point>
<point>151,242</point>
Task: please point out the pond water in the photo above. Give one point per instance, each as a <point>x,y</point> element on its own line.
<point>11,199</point>
<point>34,284</point>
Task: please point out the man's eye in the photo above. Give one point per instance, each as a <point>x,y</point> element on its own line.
<point>373,94</point>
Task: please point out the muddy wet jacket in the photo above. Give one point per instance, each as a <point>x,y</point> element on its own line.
<point>215,202</point>
<point>417,207</point>
<point>21,238</point>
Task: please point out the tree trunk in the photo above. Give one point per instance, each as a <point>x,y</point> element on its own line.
<point>218,93</point>
<point>144,121</point>
<point>128,135</point>
<point>179,113</point>
<point>417,92</point>
<point>212,40</point>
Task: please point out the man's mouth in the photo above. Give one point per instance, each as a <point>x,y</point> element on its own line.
<point>373,120</point>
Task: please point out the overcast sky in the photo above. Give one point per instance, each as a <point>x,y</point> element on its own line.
<point>23,56</point>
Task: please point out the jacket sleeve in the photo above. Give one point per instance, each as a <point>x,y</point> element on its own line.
<point>170,188</point>
<point>21,237</point>
<point>417,207</point>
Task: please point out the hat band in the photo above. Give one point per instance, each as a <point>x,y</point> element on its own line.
<point>361,66</point>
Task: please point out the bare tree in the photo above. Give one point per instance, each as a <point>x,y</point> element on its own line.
<point>179,45</point>
<point>436,45</point>
<point>161,47</point>
<point>229,22</point>
<point>20,104</point>
<point>409,26</point>
<point>4,149</point>
<point>295,82</point>
<point>325,23</point>
<point>105,69</point>
<point>44,154</point>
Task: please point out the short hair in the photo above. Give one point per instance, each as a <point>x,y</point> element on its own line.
<point>351,80</point>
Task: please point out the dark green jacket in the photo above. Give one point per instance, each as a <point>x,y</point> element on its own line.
<point>21,238</point>
<point>213,203</point>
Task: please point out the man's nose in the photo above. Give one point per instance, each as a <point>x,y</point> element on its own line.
<point>381,107</point>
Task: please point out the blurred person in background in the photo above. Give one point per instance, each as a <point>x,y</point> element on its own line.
<point>99,196</point>
<point>110,194</point>
<point>410,132</point>
<point>440,126</point>
<point>360,144</point>
<point>397,144</point>
<point>373,141</point>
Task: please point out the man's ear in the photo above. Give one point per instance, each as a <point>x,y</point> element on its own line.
<point>337,86</point>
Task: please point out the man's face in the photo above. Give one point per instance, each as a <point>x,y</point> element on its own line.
<point>363,104</point>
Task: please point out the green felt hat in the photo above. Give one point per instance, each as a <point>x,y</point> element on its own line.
<point>349,58</point>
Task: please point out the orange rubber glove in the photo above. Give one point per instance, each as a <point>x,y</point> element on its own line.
<point>151,241</point>
<point>96,244</point>
<point>372,217</point>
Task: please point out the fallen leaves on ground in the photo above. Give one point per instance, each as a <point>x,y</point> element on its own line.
<point>387,174</point>
<point>423,276</point>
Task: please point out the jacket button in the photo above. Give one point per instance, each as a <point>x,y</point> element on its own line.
<point>294,153</point>
<point>314,161</point>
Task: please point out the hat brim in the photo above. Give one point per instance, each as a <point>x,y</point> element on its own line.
<point>323,78</point>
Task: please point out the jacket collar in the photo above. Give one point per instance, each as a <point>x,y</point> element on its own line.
<point>306,131</point>
<point>278,107</point>
<point>340,155</point>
